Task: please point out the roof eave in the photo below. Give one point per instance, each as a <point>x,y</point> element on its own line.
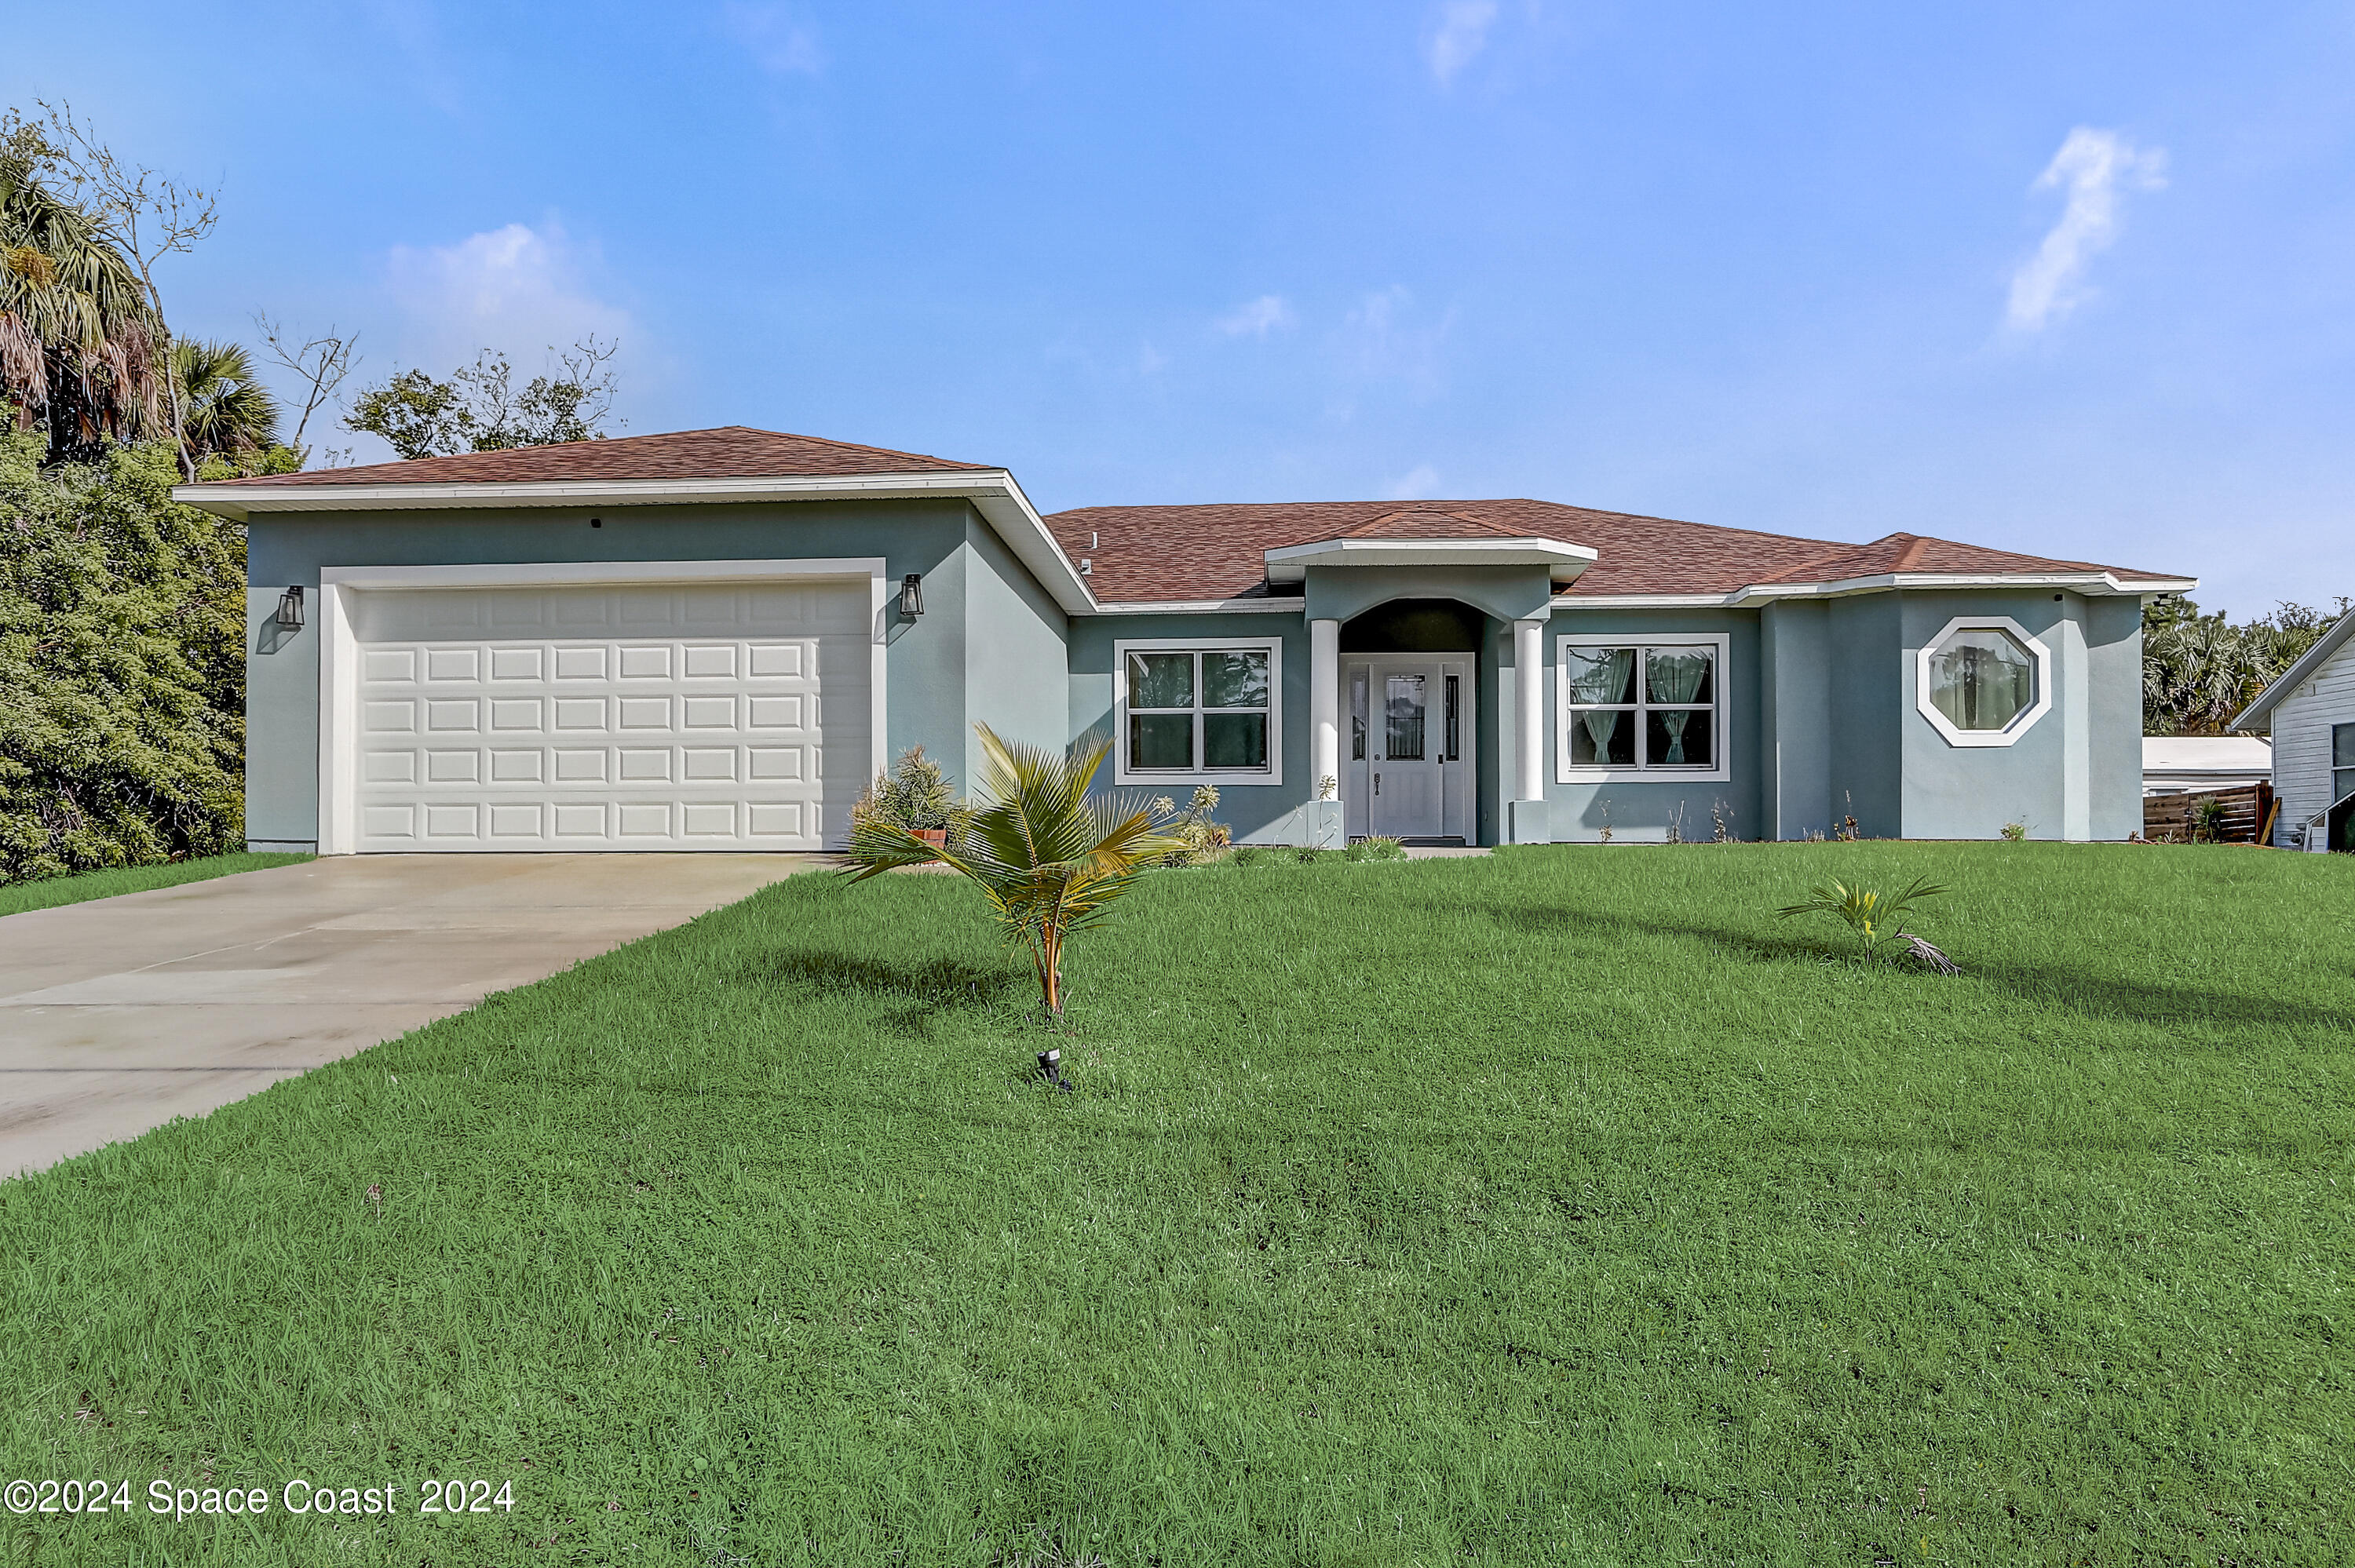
<point>2262,705</point>
<point>1565,561</point>
<point>993,493</point>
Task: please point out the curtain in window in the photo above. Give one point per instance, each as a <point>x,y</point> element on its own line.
<point>1599,676</point>
<point>1675,677</point>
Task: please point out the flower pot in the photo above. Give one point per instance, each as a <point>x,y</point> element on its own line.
<point>936,837</point>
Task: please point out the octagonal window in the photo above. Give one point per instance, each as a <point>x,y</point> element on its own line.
<point>1982,679</point>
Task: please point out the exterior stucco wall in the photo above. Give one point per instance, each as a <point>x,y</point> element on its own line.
<point>1649,812</point>
<point>1795,734</point>
<point>1259,813</point>
<point>987,627</point>
<point>2074,774</point>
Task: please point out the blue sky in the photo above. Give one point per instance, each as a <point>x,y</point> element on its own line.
<point>2068,279</point>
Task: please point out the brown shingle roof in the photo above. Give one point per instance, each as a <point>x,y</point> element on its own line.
<point>733,452</point>
<point>1143,554</point>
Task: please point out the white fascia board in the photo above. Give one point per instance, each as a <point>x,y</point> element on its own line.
<point>1291,564</point>
<point>1203,606</point>
<point>2096,584</point>
<point>993,491</point>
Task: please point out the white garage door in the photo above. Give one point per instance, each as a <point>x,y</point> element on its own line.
<point>695,716</point>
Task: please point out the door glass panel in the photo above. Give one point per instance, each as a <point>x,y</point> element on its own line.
<point>1234,740</point>
<point>1357,715</point>
<point>1402,712</point>
<point>1603,739</point>
<point>1678,737</point>
<point>1452,745</point>
<point>1234,679</point>
<point>1160,681</point>
<point>1161,740</point>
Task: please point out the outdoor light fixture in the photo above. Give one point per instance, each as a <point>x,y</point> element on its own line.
<point>911,596</point>
<point>290,610</point>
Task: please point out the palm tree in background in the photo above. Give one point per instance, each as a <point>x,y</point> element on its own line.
<point>224,408</point>
<point>78,343</point>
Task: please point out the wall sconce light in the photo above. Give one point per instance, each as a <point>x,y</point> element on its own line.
<point>290,610</point>
<point>911,596</point>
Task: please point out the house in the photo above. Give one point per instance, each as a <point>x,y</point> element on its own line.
<point>2310,710</point>
<point>712,639</point>
<point>2186,764</point>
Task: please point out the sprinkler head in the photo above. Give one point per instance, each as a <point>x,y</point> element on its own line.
<point>1050,1067</point>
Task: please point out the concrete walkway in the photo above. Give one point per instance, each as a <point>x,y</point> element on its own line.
<point>119,1014</point>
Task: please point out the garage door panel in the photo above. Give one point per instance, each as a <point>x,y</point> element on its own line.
<point>688,716</point>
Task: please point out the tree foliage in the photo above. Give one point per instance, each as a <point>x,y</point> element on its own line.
<point>225,410</point>
<point>481,409</point>
<point>81,349</point>
<point>123,661</point>
<point>2199,671</point>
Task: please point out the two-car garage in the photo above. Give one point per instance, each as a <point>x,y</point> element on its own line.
<point>657,715</point>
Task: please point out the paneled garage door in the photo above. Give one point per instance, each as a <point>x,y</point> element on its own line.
<point>693,716</point>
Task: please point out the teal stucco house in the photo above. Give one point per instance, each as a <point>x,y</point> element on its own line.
<point>710,640</point>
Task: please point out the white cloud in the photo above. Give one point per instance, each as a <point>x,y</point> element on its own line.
<point>1462,33</point>
<point>1418,484</point>
<point>516,289</point>
<point>2096,167</point>
<point>1267,313</point>
<point>1386,341</point>
<point>779,40</point>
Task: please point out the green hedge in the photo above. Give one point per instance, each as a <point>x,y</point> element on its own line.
<point>122,667</point>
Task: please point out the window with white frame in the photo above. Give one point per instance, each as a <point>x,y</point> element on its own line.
<point>1202,708</point>
<point>1983,680</point>
<point>1641,707</point>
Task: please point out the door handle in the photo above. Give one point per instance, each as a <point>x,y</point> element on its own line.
<point>1378,783</point>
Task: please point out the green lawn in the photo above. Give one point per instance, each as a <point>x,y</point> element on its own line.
<point>18,897</point>
<point>1560,1207</point>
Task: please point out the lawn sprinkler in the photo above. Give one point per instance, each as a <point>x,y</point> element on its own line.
<point>1050,1067</point>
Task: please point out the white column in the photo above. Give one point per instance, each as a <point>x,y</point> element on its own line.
<point>1528,691</point>
<point>1324,704</point>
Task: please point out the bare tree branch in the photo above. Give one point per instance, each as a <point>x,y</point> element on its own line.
<point>320,362</point>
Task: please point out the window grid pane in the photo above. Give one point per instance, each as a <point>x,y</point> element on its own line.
<point>1673,712</point>
<point>1197,712</point>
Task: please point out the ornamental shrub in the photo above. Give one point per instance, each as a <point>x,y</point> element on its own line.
<point>122,666</point>
<point>914,795</point>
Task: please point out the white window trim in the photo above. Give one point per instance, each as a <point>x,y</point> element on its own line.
<point>339,643</point>
<point>2020,725</point>
<point>1272,774</point>
<point>1565,772</point>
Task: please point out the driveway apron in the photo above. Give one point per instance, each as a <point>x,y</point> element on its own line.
<point>121,1013</point>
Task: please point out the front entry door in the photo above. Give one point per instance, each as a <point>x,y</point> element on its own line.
<point>1410,733</point>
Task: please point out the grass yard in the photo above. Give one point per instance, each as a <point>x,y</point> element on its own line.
<point>18,897</point>
<point>1562,1207</point>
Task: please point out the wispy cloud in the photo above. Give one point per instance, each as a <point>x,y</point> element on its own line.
<point>780,41</point>
<point>1387,341</point>
<point>2096,168</point>
<point>1269,312</point>
<point>1418,484</point>
<point>516,289</point>
<point>1461,34</point>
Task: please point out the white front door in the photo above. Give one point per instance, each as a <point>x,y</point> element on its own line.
<point>1410,746</point>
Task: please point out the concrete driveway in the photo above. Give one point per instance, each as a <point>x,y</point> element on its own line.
<point>119,1014</point>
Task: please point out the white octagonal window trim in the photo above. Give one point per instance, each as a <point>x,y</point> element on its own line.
<point>1983,680</point>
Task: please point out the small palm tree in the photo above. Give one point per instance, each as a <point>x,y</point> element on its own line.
<point>1049,856</point>
<point>1877,919</point>
<point>223,407</point>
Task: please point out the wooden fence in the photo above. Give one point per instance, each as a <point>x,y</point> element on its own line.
<point>2238,817</point>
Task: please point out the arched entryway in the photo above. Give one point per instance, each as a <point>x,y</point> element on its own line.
<point>1410,672</point>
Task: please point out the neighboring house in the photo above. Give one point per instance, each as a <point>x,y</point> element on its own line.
<point>2310,712</point>
<point>713,639</point>
<point>2183,764</point>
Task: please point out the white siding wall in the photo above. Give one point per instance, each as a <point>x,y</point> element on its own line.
<point>2301,725</point>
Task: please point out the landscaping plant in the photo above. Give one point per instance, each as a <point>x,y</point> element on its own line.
<point>1205,840</point>
<point>1050,856</point>
<point>1877,919</point>
<point>914,795</point>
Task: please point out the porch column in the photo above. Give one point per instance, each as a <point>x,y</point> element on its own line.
<point>1324,729</point>
<point>1527,819</point>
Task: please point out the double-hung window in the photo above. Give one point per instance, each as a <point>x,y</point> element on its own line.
<point>2342,762</point>
<point>1198,708</point>
<point>1641,708</point>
